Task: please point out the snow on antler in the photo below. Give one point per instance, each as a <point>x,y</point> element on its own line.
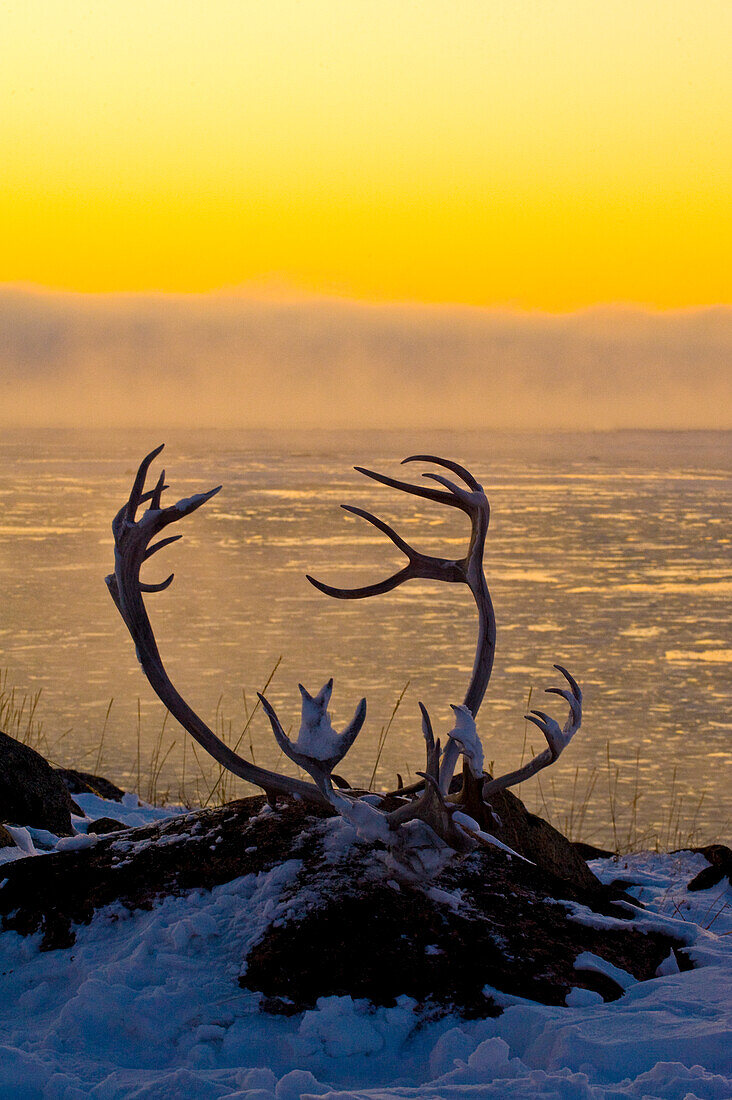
<point>319,748</point>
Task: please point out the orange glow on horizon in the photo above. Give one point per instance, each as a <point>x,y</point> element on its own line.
<point>526,155</point>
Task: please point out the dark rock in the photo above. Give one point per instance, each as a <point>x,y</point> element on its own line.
<point>6,840</point>
<point>105,825</point>
<point>589,851</point>
<point>68,887</point>
<point>30,791</point>
<point>720,857</point>
<point>86,783</point>
<point>538,841</point>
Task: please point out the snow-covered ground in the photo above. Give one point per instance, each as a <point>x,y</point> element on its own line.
<point>147,1005</point>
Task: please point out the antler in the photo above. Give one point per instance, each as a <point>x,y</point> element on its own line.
<point>466,570</point>
<point>557,739</point>
<point>132,539</point>
<point>318,748</point>
<point>432,806</point>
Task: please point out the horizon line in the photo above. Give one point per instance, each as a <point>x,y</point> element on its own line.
<point>260,294</point>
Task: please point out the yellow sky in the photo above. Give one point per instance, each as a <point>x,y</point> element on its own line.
<point>540,154</point>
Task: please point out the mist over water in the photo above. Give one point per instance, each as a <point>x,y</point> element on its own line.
<point>608,553</point>
<point>234,362</point>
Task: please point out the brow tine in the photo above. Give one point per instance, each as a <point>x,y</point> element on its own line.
<point>449,465</point>
<point>379,523</point>
<point>368,590</point>
<point>415,490</point>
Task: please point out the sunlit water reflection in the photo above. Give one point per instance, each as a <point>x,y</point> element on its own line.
<point>607,553</point>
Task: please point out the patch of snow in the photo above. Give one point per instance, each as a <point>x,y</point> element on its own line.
<point>339,836</point>
<point>451,898</point>
<point>370,824</point>
<point>582,914</point>
<point>593,963</point>
<point>581,998</point>
<point>316,737</point>
<point>668,966</point>
<point>73,843</point>
<point>23,845</point>
<point>130,811</point>
<point>43,840</point>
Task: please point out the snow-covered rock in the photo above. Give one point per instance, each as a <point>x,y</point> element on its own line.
<point>147,1002</point>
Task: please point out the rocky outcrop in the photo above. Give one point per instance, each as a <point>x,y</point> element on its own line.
<point>104,825</point>
<point>487,922</point>
<point>344,924</point>
<point>30,791</point>
<point>85,783</point>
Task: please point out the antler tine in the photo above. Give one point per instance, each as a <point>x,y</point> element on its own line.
<point>468,570</point>
<point>556,738</point>
<point>157,492</point>
<point>390,533</point>
<point>457,491</point>
<point>377,589</point>
<point>139,483</point>
<point>415,490</point>
<point>160,546</point>
<point>352,730</point>
<point>431,806</point>
<point>427,731</point>
<point>159,587</point>
<point>151,493</point>
<point>420,565</point>
<point>573,697</point>
<point>279,734</point>
<point>576,690</point>
<point>319,767</point>
<point>448,463</point>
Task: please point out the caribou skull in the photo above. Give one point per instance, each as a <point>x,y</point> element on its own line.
<point>318,748</point>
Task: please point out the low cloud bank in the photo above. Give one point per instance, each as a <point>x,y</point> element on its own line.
<point>216,361</point>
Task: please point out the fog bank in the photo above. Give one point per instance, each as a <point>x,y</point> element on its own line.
<point>223,361</point>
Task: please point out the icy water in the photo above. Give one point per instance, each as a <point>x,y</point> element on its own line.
<point>608,553</point>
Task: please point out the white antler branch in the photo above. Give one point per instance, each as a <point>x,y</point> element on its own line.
<point>557,738</point>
